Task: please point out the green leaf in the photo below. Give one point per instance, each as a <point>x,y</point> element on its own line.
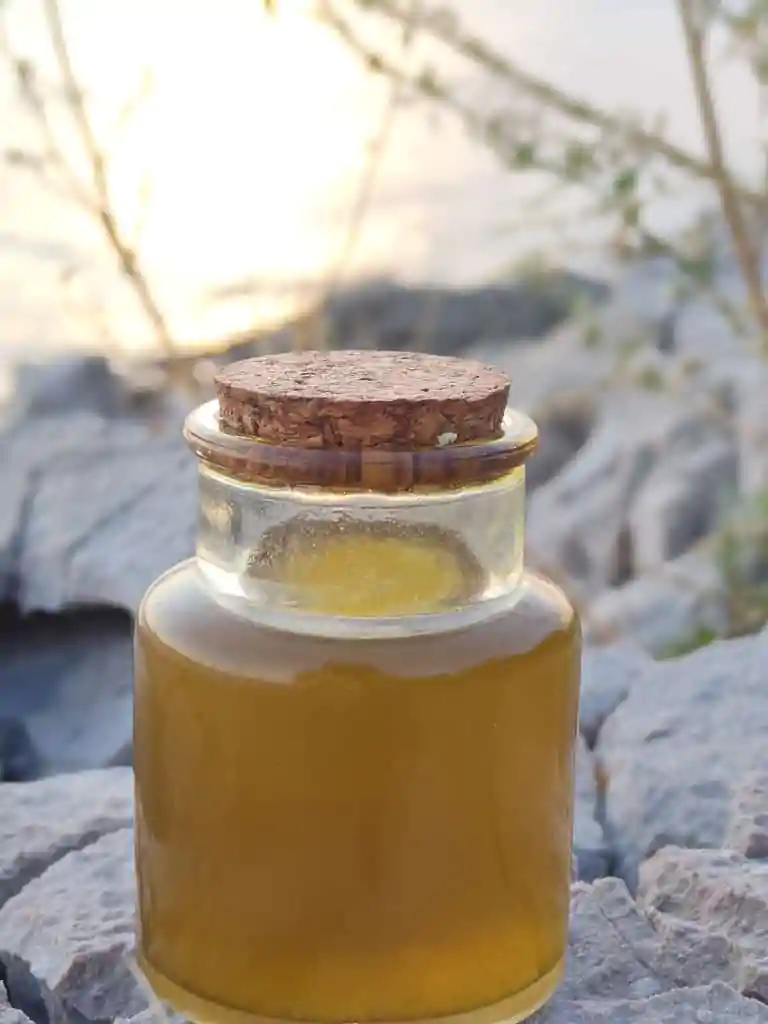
<point>578,158</point>
<point>625,183</point>
<point>524,155</point>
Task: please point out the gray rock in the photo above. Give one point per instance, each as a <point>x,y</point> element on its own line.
<point>723,895</point>
<point>663,608</point>
<point>68,681</point>
<point>28,448</point>
<point>576,521</point>
<point>40,822</point>
<point>68,384</point>
<point>612,950</point>
<point>748,828</point>
<point>677,746</point>
<point>99,531</point>
<point>67,937</point>
<point>684,499</point>
<point>18,758</point>
<point>565,423</point>
<point>589,846</point>
<point>752,422</point>
<point>711,1004</point>
<point>607,676</point>
<point>587,521</point>
<point>8,1013</point>
<point>384,313</point>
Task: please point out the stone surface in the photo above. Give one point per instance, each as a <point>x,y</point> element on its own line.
<point>576,521</point>
<point>386,314</point>
<point>752,426</point>
<point>748,826</point>
<point>8,1013</point>
<point>648,483</point>
<point>724,897</point>
<point>565,423</point>
<point>660,609</point>
<point>677,746</point>
<point>18,758</point>
<point>31,449</point>
<point>67,936</point>
<point>607,676</point>
<point>591,852</point>
<point>68,679</point>
<point>684,498</point>
<point>99,532</point>
<point>42,821</point>
<point>712,1004</point>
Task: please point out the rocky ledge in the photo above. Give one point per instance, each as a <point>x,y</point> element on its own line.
<point>681,814</point>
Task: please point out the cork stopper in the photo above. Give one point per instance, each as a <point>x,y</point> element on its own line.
<point>368,421</point>
<point>362,400</point>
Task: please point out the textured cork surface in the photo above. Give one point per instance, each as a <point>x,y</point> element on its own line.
<point>366,399</point>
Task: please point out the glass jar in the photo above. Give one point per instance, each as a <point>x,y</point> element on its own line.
<point>355,721</point>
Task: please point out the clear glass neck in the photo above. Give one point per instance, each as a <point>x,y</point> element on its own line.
<point>330,563</point>
<point>353,562</point>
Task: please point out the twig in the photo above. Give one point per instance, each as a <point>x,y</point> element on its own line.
<point>367,182</point>
<point>746,253</point>
<point>448,31</point>
<point>426,85</point>
<point>103,210</point>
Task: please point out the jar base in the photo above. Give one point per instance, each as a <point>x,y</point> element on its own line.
<point>512,1010</point>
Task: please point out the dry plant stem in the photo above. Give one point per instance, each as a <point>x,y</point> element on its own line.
<point>449,32</point>
<point>427,86</point>
<point>746,254</point>
<point>127,259</point>
<point>315,336</point>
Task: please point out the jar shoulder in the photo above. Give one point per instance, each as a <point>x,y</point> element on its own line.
<point>180,614</point>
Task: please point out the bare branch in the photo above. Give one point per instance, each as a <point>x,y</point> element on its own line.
<point>746,253</point>
<point>126,256</point>
<point>366,184</point>
<point>443,26</point>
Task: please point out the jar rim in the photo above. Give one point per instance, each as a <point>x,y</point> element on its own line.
<point>446,465</point>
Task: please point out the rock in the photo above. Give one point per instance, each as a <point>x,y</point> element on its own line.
<point>387,314</point>
<point>722,895</point>
<point>590,849</point>
<point>576,521</point>
<point>29,448</point>
<point>607,676</point>
<point>662,609</point>
<point>40,822</point>
<point>68,935</point>
<point>711,1004</point>
<point>8,1014</point>
<point>68,683</point>
<point>565,423</point>
<point>753,428</point>
<point>674,750</point>
<point>611,952</point>
<point>683,499</point>
<point>68,384</point>
<point>648,483</point>
<point>18,758</point>
<point>748,829</point>
<point>99,531</point>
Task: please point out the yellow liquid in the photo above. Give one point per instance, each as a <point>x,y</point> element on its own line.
<point>336,831</point>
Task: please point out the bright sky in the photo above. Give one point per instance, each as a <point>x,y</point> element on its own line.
<point>255,138</point>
